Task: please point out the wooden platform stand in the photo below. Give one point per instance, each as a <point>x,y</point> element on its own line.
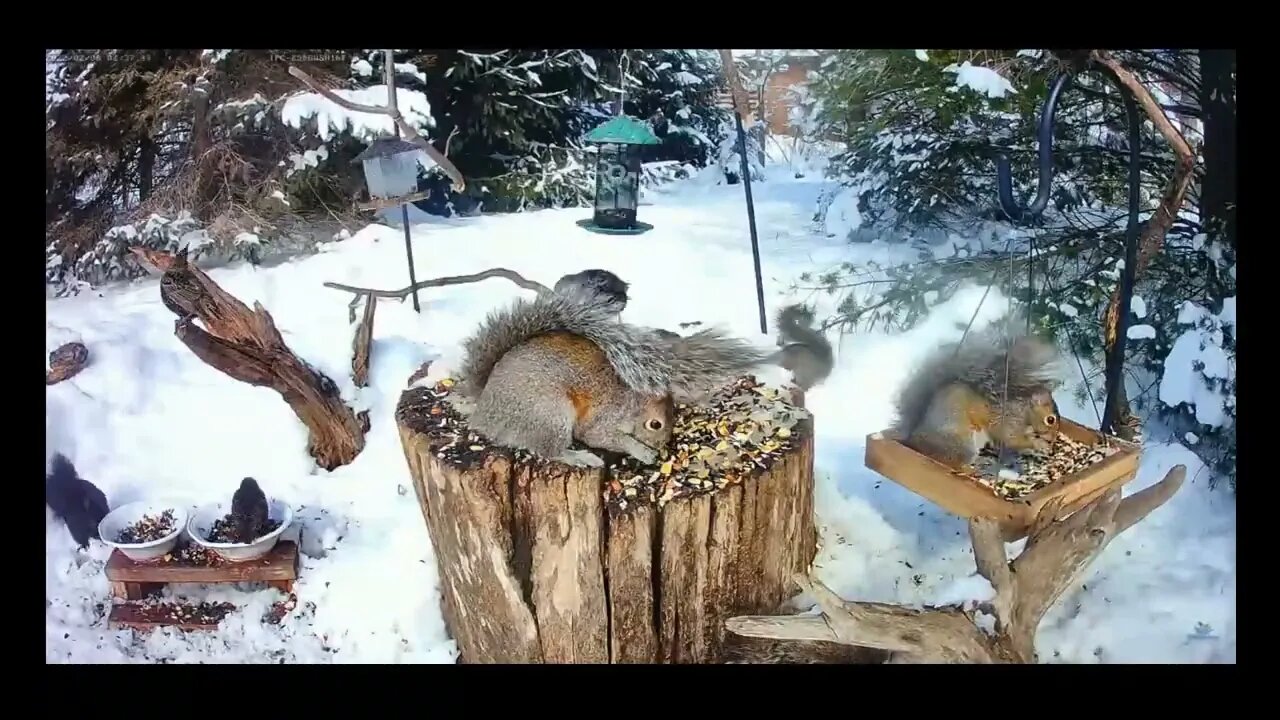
<point>535,567</point>
<point>960,495</point>
<point>133,581</point>
<point>1067,525</point>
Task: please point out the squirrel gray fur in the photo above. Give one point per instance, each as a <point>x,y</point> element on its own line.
<point>606,284</point>
<point>547,371</point>
<point>950,406</point>
<point>76,501</point>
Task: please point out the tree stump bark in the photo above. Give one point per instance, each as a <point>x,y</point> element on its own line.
<point>536,566</point>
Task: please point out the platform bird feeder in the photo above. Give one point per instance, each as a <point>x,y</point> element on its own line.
<point>618,176</point>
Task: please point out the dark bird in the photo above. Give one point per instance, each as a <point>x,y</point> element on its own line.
<point>248,511</point>
<point>76,501</point>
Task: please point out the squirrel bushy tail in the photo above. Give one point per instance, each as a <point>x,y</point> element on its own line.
<point>805,351</point>
<point>646,361</point>
<point>979,363</point>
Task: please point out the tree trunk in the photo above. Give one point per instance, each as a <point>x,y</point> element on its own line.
<point>536,567</point>
<point>146,168</point>
<point>1218,103</point>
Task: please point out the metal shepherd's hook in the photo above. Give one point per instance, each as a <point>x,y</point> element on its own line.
<point>1023,214</point>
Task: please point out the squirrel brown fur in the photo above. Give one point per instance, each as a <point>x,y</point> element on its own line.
<point>545,372</point>
<point>951,406</point>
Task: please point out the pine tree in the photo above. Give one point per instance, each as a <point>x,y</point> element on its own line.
<point>920,129</point>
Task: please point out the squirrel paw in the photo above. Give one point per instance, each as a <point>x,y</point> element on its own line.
<point>580,458</point>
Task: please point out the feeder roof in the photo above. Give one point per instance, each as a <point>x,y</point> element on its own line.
<point>623,130</point>
<point>387,147</point>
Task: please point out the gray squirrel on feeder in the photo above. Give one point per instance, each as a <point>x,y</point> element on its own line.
<point>986,389</point>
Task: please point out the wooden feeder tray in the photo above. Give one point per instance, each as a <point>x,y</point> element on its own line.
<point>962,495</point>
<point>133,582</point>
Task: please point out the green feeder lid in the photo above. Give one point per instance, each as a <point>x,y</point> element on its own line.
<point>623,130</point>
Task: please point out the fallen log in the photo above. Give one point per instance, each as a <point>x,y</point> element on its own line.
<point>245,345</point>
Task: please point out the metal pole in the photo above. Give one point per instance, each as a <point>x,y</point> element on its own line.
<point>751,217</point>
<point>389,72</point>
<point>1018,213</point>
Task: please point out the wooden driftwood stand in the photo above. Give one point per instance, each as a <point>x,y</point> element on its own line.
<point>962,496</point>
<point>1059,547</point>
<point>536,567</point>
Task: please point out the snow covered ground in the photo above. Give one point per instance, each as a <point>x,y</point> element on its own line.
<point>148,418</point>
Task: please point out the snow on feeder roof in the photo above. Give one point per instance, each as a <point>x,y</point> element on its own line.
<point>386,147</point>
<point>623,130</point>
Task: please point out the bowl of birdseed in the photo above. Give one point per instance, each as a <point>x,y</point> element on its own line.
<point>211,527</point>
<point>144,530</point>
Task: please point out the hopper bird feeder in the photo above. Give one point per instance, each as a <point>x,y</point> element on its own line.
<point>1078,485</point>
<point>390,169</point>
<point>391,175</point>
<point>618,176</point>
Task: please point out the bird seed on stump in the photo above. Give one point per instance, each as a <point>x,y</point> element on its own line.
<point>545,562</point>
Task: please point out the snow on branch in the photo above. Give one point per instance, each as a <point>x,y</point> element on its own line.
<point>406,129</point>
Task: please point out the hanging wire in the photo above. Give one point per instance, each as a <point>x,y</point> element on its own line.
<point>1018,213</point>
<point>1008,350</point>
<point>1007,246</point>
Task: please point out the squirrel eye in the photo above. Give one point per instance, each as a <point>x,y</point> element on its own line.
<point>654,424</point>
<point>1050,420</point>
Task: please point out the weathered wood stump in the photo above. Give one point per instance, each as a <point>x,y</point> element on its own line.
<point>65,362</point>
<point>245,344</point>
<point>543,562</point>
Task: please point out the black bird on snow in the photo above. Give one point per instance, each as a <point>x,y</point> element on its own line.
<point>76,501</point>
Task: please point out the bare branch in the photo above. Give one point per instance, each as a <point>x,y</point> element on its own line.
<point>1055,555</point>
<point>945,633</point>
<point>776,627</point>
<point>449,139</point>
<point>993,564</point>
<point>362,345</point>
<point>403,293</point>
<point>1140,504</point>
<point>335,98</point>
<point>385,203</point>
<point>410,134</point>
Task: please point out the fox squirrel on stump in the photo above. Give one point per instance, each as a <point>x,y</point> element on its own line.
<point>951,406</point>
<point>547,371</point>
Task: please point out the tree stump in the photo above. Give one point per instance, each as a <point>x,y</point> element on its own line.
<point>543,562</point>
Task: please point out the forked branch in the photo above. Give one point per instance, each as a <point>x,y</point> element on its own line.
<point>1055,555</point>
<point>404,292</point>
